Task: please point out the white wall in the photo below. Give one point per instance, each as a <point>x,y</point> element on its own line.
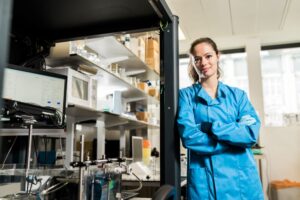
<point>282,149</point>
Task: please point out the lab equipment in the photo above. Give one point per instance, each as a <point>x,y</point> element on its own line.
<point>82,88</point>
<point>35,87</point>
<point>15,114</point>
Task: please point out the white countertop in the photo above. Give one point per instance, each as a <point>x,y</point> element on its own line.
<point>142,177</point>
<point>140,198</point>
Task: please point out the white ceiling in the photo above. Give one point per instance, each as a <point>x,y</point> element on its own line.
<point>231,22</point>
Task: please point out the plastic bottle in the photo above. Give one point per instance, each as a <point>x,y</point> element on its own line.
<point>146,152</point>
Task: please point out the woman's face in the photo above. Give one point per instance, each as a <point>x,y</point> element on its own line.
<point>206,59</point>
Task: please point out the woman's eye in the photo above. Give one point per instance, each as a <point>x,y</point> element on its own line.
<point>197,60</point>
<point>208,56</point>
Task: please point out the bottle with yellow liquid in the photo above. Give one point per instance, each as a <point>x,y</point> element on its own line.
<point>146,151</point>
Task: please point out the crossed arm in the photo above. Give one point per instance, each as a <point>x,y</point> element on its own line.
<point>217,136</point>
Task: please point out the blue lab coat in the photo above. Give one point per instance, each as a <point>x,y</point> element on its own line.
<point>219,134</point>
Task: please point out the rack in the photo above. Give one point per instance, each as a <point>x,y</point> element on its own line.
<point>111,120</point>
<point>36,132</point>
<point>48,21</point>
<point>107,48</point>
<point>110,47</point>
<point>114,50</point>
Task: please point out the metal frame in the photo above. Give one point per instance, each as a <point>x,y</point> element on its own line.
<point>169,137</point>
<point>170,143</point>
<point>5,19</point>
<point>42,19</point>
<point>280,46</point>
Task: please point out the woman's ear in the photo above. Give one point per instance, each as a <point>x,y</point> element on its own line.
<point>218,55</point>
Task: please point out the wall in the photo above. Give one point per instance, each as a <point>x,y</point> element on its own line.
<point>282,149</point>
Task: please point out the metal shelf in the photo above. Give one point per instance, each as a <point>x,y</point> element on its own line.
<point>35,132</point>
<point>112,121</point>
<point>49,19</point>
<point>110,48</point>
<point>107,78</point>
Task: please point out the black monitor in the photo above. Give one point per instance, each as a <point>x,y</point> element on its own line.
<point>43,90</point>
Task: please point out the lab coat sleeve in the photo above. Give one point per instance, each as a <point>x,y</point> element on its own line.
<point>190,132</point>
<point>239,133</point>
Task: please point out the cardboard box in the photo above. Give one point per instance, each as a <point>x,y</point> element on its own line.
<point>152,92</point>
<point>143,116</point>
<point>157,67</point>
<point>150,53</point>
<point>143,86</point>
<point>285,189</point>
<point>151,43</point>
<point>153,63</point>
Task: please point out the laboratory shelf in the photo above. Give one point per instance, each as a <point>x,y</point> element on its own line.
<point>106,78</point>
<point>41,170</point>
<point>48,22</point>
<point>112,121</point>
<point>111,49</point>
<point>35,132</point>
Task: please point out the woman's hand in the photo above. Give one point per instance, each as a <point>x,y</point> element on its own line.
<point>247,120</point>
<point>206,127</point>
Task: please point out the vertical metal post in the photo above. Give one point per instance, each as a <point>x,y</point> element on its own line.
<point>169,137</point>
<point>5,20</point>
<point>70,140</point>
<point>29,150</point>
<point>80,184</point>
<point>122,141</point>
<point>100,139</point>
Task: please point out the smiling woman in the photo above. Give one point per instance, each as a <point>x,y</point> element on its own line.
<point>218,125</point>
<point>205,59</point>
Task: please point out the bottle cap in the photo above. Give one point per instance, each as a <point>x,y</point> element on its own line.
<point>146,144</point>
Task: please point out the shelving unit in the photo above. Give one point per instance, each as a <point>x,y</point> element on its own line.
<point>107,77</point>
<point>110,48</point>
<point>99,53</point>
<point>36,132</point>
<point>111,120</point>
<point>48,21</point>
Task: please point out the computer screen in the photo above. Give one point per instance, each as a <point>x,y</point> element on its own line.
<point>35,87</point>
<point>137,148</point>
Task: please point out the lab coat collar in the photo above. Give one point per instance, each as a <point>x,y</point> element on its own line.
<point>221,90</point>
<point>204,95</point>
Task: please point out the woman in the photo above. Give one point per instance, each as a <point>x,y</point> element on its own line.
<point>218,125</point>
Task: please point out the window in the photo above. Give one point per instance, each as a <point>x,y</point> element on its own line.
<point>184,79</point>
<point>281,86</point>
<point>234,70</point>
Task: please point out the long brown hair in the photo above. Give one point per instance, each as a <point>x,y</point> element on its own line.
<point>192,72</point>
